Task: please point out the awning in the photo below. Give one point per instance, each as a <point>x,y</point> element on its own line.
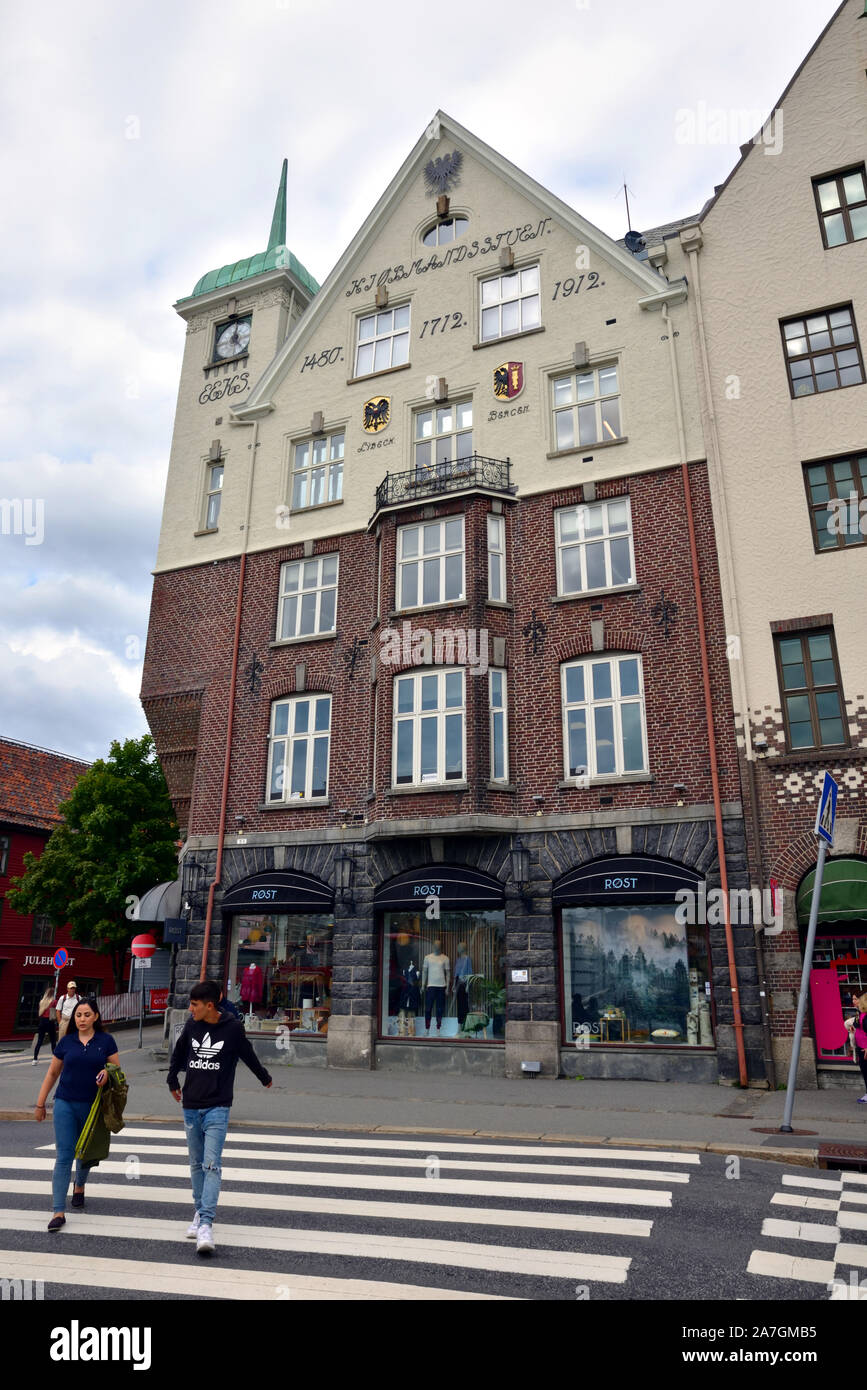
<point>279,892</point>
<point>160,902</point>
<point>844,892</point>
<point>456,886</point>
<point>634,878</point>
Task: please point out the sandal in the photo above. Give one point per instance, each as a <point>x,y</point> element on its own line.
<point>56,1222</point>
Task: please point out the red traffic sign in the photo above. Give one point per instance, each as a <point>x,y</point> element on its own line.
<point>159,1001</point>
<point>143,946</point>
<point>61,956</point>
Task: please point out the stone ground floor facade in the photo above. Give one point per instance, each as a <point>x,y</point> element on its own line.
<point>414,946</point>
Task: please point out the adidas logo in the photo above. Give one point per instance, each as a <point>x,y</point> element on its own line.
<point>205,1048</point>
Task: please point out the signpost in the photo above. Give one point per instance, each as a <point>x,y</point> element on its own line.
<point>824,831</point>
<point>142,948</point>
<point>61,956</point>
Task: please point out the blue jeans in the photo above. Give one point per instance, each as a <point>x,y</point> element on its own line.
<point>206,1135</point>
<point>69,1118</point>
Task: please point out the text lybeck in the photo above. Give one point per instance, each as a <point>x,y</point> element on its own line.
<point>76,1343</point>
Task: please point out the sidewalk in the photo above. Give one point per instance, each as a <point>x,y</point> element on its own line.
<point>645,1113</point>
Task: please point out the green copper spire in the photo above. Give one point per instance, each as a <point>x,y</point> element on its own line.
<point>278,221</point>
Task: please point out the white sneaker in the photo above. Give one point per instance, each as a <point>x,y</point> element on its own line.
<point>204,1240</point>
<point>193,1228</point>
<point>33,1063</point>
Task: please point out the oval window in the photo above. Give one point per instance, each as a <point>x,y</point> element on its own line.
<point>449,229</point>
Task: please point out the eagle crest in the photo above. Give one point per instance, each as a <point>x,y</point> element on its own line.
<point>443,172</point>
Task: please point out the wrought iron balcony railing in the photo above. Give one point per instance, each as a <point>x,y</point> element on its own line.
<point>473,471</point>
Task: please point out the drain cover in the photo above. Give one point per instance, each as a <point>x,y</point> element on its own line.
<point>843,1156</point>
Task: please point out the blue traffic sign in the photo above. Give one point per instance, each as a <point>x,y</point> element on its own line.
<point>61,956</point>
<point>827,811</point>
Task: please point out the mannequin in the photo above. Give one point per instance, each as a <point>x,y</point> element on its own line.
<point>435,975</point>
<point>252,986</point>
<point>463,971</point>
<point>408,1001</point>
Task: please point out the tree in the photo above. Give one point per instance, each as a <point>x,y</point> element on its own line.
<point>118,837</point>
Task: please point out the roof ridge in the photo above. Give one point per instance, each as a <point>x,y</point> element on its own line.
<point>37,748</point>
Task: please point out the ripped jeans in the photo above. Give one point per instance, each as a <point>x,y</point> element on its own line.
<point>206,1134</point>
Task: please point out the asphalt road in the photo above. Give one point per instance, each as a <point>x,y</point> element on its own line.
<point>347,1215</point>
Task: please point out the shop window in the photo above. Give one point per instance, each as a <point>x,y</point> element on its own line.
<point>586,408</point>
<point>594,546</point>
<point>383,341</point>
<point>429,742</point>
<point>317,471</point>
<point>499,727</point>
<point>496,558</point>
<point>41,931</point>
<point>279,972</point>
<point>445,978</point>
<point>430,567</point>
<point>603,717</point>
<point>4,854</point>
<point>635,975</point>
<point>811,690</point>
<point>300,738</point>
<point>308,597</point>
<point>510,304</point>
<point>30,991</point>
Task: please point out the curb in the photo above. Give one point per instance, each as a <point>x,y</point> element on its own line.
<point>801,1158</point>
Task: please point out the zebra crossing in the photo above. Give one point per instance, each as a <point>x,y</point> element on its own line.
<point>327,1216</point>
<point>827,1244</point>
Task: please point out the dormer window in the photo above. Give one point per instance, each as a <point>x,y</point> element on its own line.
<point>444,230</point>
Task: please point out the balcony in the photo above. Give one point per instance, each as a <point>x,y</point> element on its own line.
<point>460,475</point>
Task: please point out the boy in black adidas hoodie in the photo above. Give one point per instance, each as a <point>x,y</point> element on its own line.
<point>208,1050</point>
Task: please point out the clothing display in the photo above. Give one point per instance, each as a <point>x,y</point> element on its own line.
<point>410,992</point>
<point>435,998</point>
<point>463,970</point>
<point>252,984</point>
<point>435,971</point>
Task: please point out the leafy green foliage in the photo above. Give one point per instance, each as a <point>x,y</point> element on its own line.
<point>117,838</point>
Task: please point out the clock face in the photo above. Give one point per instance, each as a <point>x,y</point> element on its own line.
<point>232,339</point>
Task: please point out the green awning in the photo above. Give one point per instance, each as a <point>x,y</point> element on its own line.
<point>844,892</point>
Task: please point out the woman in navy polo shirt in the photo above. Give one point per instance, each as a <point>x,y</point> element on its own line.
<point>79,1060</point>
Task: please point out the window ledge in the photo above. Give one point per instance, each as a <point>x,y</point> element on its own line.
<point>429,608</point>
<point>818,755</point>
<point>317,506</point>
<point>297,641</point>
<point>370,376</point>
<point>294,805</point>
<point>428,787</point>
<point>596,593</point>
<point>227,361</point>
<point>499,603</point>
<point>572,784</point>
<point>582,449</point>
<point>501,787</point>
<point>208,531</point>
<point>509,338</point>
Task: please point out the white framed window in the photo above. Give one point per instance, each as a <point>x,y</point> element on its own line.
<point>429,744</point>
<point>430,564</point>
<point>499,726</point>
<point>213,495</point>
<point>443,436</point>
<point>603,717</point>
<point>300,737</point>
<point>496,557</point>
<point>511,303</point>
<point>586,408</point>
<point>317,471</point>
<point>308,597</point>
<point>383,340</point>
<point>594,546</point>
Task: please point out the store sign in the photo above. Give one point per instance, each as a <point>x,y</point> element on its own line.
<point>48,960</point>
<point>175,931</point>
<point>159,1001</point>
<point>633,878</point>
<point>448,886</point>
<point>279,892</point>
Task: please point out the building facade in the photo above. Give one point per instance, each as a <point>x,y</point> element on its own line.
<point>33,783</point>
<point>436,665</point>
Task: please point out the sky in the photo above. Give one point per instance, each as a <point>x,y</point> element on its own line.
<point>141,146</point>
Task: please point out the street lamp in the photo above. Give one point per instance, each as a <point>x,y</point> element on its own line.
<point>344,869</point>
<point>520,857</point>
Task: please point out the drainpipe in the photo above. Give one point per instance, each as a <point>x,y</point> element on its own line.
<point>727,575</point>
<point>233,682</point>
<point>708,706</point>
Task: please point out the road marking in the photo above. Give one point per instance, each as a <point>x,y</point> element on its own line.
<point>849,1254</point>
<point>797,1199</point>
<point>551,1264</point>
<point>450,1187</point>
<point>410,1161</point>
<point>852,1220</point>
<point>821,1184</point>
<point>341,1206</point>
<point>203,1279</point>
<point>791,1267</point>
<point>800,1230</point>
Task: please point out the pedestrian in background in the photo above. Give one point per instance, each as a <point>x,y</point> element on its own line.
<point>46,1026</point>
<point>79,1060</point>
<point>66,1005</point>
<point>858,1038</point>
